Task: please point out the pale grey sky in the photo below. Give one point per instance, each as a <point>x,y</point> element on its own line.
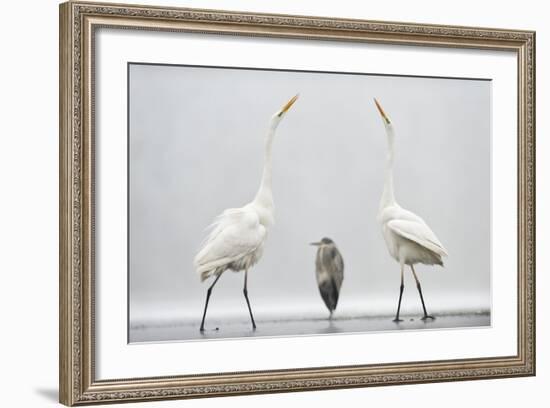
<point>196,147</point>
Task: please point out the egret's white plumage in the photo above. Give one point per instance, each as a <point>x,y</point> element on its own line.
<point>237,236</point>
<point>235,242</point>
<point>408,238</point>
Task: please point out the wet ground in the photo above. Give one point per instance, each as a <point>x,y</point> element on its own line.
<point>220,329</point>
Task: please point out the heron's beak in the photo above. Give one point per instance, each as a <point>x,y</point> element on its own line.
<point>382,112</point>
<point>287,106</point>
<point>315,243</point>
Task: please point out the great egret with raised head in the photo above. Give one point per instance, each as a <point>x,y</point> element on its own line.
<point>237,236</point>
<point>329,270</point>
<point>408,237</point>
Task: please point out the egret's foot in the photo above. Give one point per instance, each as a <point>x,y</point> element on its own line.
<point>253,327</point>
<point>203,330</point>
<point>426,317</point>
<point>397,320</point>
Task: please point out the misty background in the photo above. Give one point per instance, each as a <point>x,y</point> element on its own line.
<point>196,143</point>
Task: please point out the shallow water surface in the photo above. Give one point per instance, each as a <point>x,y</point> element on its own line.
<point>219,329</point>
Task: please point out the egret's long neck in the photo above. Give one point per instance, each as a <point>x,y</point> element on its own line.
<point>388,197</point>
<point>264,196</point>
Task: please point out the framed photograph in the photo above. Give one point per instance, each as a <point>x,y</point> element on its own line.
<point>255,203</point>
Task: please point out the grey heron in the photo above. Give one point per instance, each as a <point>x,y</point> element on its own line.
<point>237,236</point>
<point>329,270</point>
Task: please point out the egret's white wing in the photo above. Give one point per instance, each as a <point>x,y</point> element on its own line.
<point>418,232</point>
<point>220,222</point>
<point>237,233</point>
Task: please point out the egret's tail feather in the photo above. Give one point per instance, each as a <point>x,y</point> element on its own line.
<point>205,275</point>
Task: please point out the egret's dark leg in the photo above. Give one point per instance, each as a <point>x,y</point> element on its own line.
<point>397,319</point>
<point>245,291</point>
<point>208,293</point>
<point>426,315</point>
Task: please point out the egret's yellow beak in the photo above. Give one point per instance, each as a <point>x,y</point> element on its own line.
<point>382,112</point>
<point>288,105</point>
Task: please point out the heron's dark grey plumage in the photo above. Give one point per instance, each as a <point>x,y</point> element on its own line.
<point>329,269</point>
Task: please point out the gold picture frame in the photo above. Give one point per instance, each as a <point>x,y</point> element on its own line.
<point>78,22</point>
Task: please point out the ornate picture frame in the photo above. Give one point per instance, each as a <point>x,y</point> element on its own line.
<point>79,22</point>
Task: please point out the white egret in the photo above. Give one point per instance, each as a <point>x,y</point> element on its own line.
<point>237,237</point>
<point>329,270</point>
<point>408,237</point>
